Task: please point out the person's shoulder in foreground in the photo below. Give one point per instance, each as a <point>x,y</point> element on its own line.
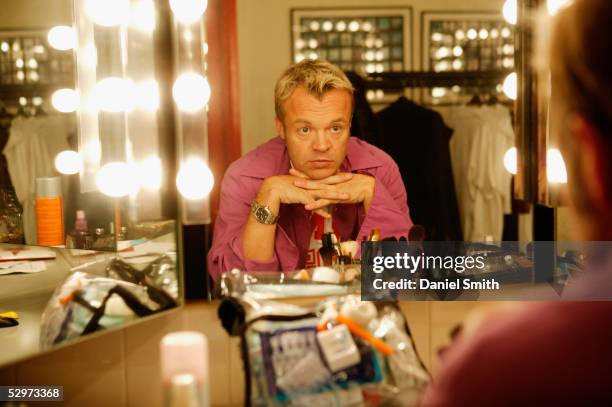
<point>548,354</point>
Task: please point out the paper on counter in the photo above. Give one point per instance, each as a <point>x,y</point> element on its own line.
<point>10,267</point>
<point>13,253</point>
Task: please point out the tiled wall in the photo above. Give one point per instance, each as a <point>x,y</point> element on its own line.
<point>122,368</point>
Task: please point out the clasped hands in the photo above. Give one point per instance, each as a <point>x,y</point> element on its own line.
<point>315,195</point>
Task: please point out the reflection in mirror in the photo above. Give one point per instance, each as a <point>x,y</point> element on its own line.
<point>87,196</point>
<point>436,89</point>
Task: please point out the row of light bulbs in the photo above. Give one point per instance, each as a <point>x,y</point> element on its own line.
<point>556,172</point>
<point>117,179</point>
<point>510,9</point>
<point>190,91</point>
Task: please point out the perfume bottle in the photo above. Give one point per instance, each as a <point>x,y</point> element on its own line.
<point>80,238</point>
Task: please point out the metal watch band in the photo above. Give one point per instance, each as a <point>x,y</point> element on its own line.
<point>263,214</point>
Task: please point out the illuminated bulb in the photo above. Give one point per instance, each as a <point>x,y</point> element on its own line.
<point>353,26</point>
<point>312,43</point>
<point>508,49</point>
<point>443,53</point>
<point>340,26</point>
<point>194,180</point>
<point>370,68</point>
<point>62,37</point>
<point>114,95</point>
<point>313,55</point>
<point>456,89</point>
<point>191,92</point>
<point>33,76</point>
<point>380,68</point>
<point>299,57</point>
<point>555,5</point>
<point>143,16</point>
<point>437,37</point>
<point>38,49</point>
<point>19,63</point>
<point>32,63</point>
<point>483,34</point>
<point>457,51</point>
<point>117,179</point>
<point>379,94</point>
<point>205,48</point>
<point>508,63</point>
<point>460,35</point>
<point>150,173</point>
<point>378,43</point>
<point>65,100</point>
<point>315,26</point>
<point>68,162</point>
<point>108,13</point>
<point>370,55</point>
<point>370,95</point>
<point>16,47</point>
<point>300,43</point>
<point>505,32</point>
<point>457,64</point>
<point>555,167</point>
<point>472,34</point>
<point>5,46</point>
<point>23,101</point>
<point>511,86</point>
<point>147,95</point>
<point>20,75</point>
<point>327,26</point>
<point>369,42</point>
<point>494,33</point>
<point>380,56</point>
<point>438,92</point>
<point>37,101</point>
<point>510,161</point>
<point>188,11</point>
<point>366,26</point>
<point>510,11</point>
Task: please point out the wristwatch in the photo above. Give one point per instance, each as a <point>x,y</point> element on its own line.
<point>263,214</point>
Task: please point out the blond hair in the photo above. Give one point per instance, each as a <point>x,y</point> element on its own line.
<point>317,77</point>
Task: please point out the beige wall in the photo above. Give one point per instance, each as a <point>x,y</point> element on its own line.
<point>24,14</point>
<point>264,50</point>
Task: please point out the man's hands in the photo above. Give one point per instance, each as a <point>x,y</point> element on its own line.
<point>357,188</point>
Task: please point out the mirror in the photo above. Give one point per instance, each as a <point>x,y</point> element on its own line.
<point>436,89</point>
<point>88,205</point>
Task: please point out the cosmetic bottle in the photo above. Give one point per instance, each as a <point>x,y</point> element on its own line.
<point>80,238</point>
<point>49,212</point>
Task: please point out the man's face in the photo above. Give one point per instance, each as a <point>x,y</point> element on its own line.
<point>316,131</point>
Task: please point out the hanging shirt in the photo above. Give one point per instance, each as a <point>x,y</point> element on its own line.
<point>482,135</point>
<point>240,185</point>
<point>30,152</point>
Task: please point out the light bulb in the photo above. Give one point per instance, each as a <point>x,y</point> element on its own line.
<point>117,179</point>
<point>68,162</point>
<point>150,173</point>
<point>191,92</point>
<point>327,26</point>
<point>114,94</point>
<point>340,26</point>
<point>510,11</point>
<point>62,37</point>
<point>194,180</point>
<point>353,26</point>
<point>457,51</point>
<point>555,167</point>
<point>65,100</point>
<point>188,11</point>
<point>510,86</point>
<point>108,13</point>
<point>143,16</point>
<point>472,34</point>
<point>147,95</point>
<point>555,5</point>
<point>510,161</point>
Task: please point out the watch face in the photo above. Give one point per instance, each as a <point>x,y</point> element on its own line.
<point>261,213</point>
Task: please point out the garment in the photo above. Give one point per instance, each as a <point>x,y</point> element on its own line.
<point>418,140</point>
<point>548,354</point>
<point>388,210</point>
<point>482,136</point>
<point>33,144</point>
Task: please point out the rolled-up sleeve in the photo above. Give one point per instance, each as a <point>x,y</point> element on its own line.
<point>226,252</point>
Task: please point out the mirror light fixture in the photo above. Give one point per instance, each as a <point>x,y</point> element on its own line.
<point>510,161</point>
<point>68,162</point>
<point>65,100</point>
<point>191,92</point>
<point>510,11</point>
<point>188,11</point>
<point>194,180</point>
<point>117,179</point>
<point>510,86</point>
<point>108,13</point>
<point>62,37</point>
<point>555,5</point>
<point>556,171</point>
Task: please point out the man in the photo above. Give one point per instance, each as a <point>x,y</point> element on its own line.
<point>557,354</point>
<point>271,198</point>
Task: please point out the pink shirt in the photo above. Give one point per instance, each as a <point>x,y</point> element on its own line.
<point>388,212</point>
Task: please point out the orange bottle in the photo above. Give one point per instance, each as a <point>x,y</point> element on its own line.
<point>49,212</point>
